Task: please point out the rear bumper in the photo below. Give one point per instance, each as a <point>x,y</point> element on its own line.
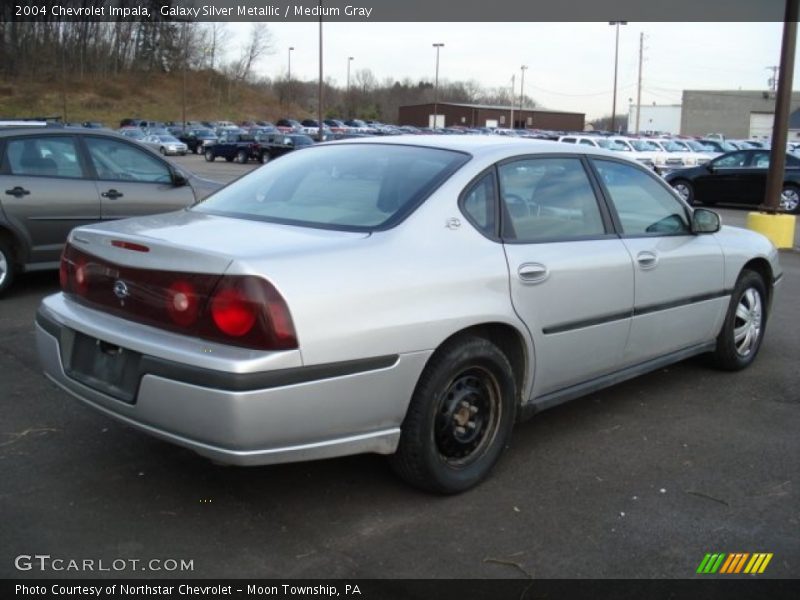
<point>315,413</point>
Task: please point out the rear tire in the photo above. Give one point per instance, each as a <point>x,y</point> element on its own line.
<point>263,158</point>
<point>241,157</point>
<point>459,419</point>
<point>8,268</point>
<point>743,330</point>
<point>210,155</point>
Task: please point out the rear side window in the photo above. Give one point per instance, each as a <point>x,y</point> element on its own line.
<point>478,203</point>
<point>349,186</point>
<point>44,157</point>
<point>118,161</point>
<point>548,199</point>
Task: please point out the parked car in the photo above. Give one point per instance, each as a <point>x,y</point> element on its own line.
<point>738,177</point>
<point>56,179</point>
<point>642,150</point>
<point>288,126</point>
<point>716,146</point>
<point>273,145</point>
<point>197,139</point>
<point>133,133</point>
<point>416,297</point>
<point>240,147</point>
<point>165,144</point>
<point>676,156</point>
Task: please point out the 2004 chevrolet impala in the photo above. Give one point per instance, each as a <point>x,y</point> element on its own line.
<point>411,297</point>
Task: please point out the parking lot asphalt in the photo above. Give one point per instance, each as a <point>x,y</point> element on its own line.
<point>639,480</point>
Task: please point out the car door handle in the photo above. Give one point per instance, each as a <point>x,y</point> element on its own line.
<point>112,194</point>
<point>647,260</point>
<point>18,191</point>
<point>532,272</point>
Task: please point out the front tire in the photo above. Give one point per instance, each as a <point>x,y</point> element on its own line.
<point>790,199</point>
<point>163,152</point>
<point>7,266</point>
<point>241,157</point>
<point>743,330</point>
<point>459,419</point>
<point>685,190</point>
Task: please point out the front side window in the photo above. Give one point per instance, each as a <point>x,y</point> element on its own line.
<point>349,186</point>
<point>644,205</point>
<point>118,161</point>
<point>44,157</point>
<point>547,199</point>
<point>736,159</point>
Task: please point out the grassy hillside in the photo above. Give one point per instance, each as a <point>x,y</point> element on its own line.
<point>209,96</point>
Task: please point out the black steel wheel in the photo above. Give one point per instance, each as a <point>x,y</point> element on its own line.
<point>459,419</point>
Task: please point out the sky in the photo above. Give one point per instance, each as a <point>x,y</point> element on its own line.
<point>570,65</point>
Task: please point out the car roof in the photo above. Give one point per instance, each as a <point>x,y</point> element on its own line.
<point>480,145</point>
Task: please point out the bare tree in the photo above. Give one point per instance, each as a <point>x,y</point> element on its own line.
<point>259,45</point>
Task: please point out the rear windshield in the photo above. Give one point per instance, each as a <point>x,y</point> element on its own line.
<point>358,187</point>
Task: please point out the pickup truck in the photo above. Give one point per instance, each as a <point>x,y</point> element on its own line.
<point>240,147</point>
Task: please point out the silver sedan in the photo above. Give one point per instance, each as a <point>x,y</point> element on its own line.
<point>412,296</point>
<point>165,144</point>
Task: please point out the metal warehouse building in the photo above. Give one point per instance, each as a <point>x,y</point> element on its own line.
<point>734,113</point>
<point>484,115</point>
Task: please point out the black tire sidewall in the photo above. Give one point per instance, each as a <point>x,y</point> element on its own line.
<point>440,476</point>
<point>6,251</point>
<point>241,157</point>
<point>209,156</point>
<point>726,355</point>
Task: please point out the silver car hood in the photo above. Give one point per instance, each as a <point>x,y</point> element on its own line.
<point>191,241</point>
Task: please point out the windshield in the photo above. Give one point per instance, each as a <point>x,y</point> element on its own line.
<point>356,187</point>
<point>167,138</point>
<point>643,146</point>
<point>203,133</point>
<point>672,147</point>
<point>619,146</point>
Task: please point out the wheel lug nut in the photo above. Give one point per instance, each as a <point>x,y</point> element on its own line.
<point>464,404</point>
<point>473,409</point>
<point>471,425</point>
<point>461,430</point>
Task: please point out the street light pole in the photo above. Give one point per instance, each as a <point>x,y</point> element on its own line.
<point>523,68</point>
<point>319,91</point>
<point>289,77</point>
<point>513,91</point>
<point>349,109</point>
<point>436,87</point>
<point>616,62</point>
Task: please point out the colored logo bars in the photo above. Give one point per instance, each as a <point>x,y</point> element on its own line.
<point>734,563</point>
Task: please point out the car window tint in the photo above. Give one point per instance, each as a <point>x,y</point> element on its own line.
<point>45,156</point>
<point>760,160</point>
<point>644,205</point>
<point>117,161</point>
<point>735,159</point>
<point>548,198</point>
<point>478,203</point>
<point>358,186</point>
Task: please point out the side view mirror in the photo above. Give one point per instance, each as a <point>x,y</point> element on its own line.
<point>178,178</point>
<point>710,167</point>
<point>705,221</point>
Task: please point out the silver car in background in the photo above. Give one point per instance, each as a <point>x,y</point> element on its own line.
<point>166,144</point>
<point>412,296</point>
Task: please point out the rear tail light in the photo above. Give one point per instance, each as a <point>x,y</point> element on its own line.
<point>240,310</point>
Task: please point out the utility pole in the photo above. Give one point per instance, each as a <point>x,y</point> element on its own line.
<point>513,93</point>
<point>783,99</point>
<point>289,75</point>
<point>772,82</point>
<point>349,99</point>
<point>639,85</point>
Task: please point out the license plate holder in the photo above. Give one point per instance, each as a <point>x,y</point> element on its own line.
<point>101,365</point>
